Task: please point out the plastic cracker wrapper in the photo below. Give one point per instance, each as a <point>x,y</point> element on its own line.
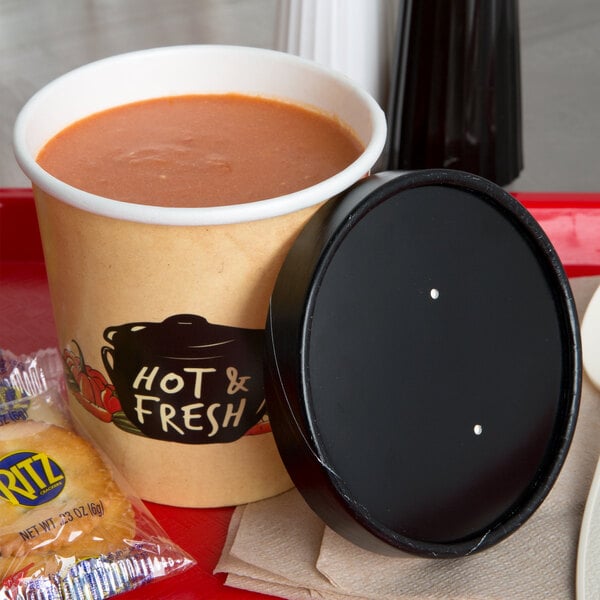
<point>32,388</point>
<point>69,526</point>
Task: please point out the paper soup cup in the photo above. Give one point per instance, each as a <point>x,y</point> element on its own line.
<point>144,294</point>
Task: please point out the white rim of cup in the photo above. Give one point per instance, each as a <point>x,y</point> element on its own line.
<point>214,215</point>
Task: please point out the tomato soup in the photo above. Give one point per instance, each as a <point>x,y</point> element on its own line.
<point>200,150</point>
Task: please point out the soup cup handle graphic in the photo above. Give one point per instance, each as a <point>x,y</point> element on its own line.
<point>185,379</point>
<point>107,358</point>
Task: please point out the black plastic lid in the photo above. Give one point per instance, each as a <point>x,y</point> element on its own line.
<point>423,365</point>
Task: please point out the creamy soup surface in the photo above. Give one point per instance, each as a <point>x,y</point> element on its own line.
<point>200,150</point>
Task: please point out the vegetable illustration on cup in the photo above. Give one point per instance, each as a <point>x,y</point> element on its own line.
<point>89,386</point>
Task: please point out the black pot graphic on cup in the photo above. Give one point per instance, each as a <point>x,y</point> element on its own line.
<point>187,380</point>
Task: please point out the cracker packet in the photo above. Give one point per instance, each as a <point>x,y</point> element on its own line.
<point>33,387</point>
<point>70,527</point>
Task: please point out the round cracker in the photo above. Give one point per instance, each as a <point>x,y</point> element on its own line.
<point>72,523</point>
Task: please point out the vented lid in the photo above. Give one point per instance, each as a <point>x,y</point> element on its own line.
<point>423,363</point>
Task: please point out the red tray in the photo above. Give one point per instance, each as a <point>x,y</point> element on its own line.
<point>572,222</point>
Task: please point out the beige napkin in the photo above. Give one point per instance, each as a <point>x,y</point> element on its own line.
<point>278,546</point>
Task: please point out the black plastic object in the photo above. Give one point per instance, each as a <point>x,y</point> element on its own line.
<point>423,363</point>
<point>455,100</point>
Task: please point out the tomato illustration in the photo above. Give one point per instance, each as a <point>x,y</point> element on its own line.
<point>263,426</point>
<point>89,386</point>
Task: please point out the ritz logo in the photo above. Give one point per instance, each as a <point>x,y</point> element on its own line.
<point>30,478</point>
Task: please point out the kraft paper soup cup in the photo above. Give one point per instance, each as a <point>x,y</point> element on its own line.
<point>142,295</point>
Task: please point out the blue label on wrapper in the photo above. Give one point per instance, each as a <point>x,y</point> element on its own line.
<point>30,478</point>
